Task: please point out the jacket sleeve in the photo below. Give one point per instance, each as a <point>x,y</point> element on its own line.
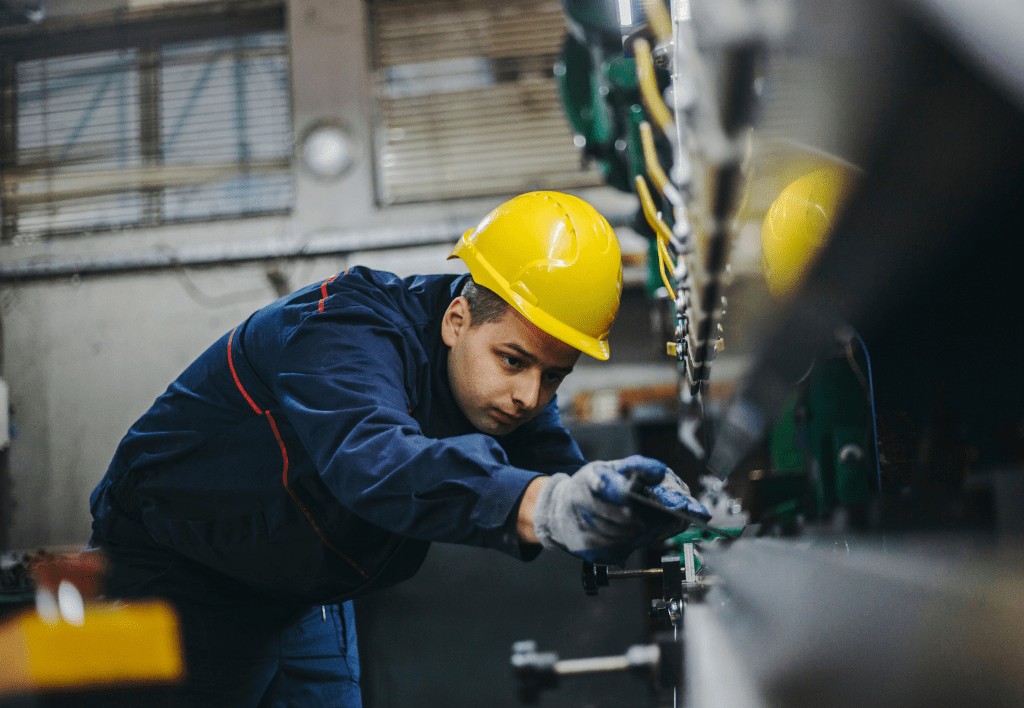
<point>341,380</point>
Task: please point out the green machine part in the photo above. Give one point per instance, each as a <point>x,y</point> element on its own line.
<point>600,96</point>
<point>820,447</point>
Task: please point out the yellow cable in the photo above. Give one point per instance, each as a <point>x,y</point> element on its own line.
<point>664,278</point>
<point>661,230</point>
<point>650,210</point>
<point>669,261</point>
<point>667,257</point>
<point>659,20</point>
<point>664,262</point>
<point>656,107</point>
<point>654,170</point>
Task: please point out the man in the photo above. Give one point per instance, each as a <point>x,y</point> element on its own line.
<point>314,452</point>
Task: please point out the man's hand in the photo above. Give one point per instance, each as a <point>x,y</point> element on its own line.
<point>588,514</point>
<point>674,494</point>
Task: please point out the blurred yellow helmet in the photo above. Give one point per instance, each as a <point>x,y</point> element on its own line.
<point>556,260</point>
<point>797,225</point>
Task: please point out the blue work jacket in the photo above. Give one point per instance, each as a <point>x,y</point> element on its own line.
<point>316,450</point>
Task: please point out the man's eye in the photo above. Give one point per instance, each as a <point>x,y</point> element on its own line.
<point>555,378</point>
<point>512,361</point>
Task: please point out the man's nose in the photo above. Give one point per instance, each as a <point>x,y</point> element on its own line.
<point>526,392</point>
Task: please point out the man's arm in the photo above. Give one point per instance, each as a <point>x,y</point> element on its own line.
<point>524,525</point>
<point>341,383</point>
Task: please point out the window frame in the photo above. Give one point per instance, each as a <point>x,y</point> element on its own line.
<point>145,30</point>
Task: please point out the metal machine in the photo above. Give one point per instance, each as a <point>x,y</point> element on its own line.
<point>876,438</point>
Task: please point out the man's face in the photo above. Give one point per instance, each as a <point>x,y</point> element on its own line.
<point>502,373</point>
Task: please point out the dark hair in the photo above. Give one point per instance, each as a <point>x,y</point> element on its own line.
<point>484,305</point>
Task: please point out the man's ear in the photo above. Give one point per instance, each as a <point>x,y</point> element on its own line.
<point>456,320</point>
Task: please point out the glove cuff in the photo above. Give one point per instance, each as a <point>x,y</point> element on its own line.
<point>543,511</point>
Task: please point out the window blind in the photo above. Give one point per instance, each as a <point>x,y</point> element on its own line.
<point>467,102</point>
<point>146,135</point>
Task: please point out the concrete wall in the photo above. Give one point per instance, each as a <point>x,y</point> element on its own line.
<point>85,357</point>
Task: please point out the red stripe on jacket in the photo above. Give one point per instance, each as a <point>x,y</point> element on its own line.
<point>323,292</point>
<point>284,450</point>
<point>234,375</point>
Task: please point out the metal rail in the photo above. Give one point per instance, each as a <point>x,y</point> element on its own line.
<point>327,243</point>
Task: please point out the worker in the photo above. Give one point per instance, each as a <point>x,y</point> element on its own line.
<point>315,451</point>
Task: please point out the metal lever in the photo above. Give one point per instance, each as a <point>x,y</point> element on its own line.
<point>671,572</point>
<point>597,576</point>
<point>539,670</point>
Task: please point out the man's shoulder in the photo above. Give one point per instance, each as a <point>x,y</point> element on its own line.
<point>358,294</point>
<point>415,298</point>
<point>427,285</point>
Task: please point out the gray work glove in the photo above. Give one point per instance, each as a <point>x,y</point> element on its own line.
<point>588,514</point>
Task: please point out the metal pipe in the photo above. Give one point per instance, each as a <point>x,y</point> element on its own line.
<point>637,656</point>
<point>642,573</point>
<point>333,243</point>
<point>597,664</point>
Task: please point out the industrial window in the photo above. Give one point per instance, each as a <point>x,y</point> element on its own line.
<point>467,102</point>
<point>174,126</point>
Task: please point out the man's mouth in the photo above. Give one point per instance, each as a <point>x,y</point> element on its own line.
<point>506,418</point>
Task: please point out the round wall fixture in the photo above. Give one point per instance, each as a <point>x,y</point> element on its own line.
<point>327,150</point>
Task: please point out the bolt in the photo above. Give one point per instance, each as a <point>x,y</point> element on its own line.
<point>850,454</point>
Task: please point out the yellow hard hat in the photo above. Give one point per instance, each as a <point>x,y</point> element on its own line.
<point>556,260</point>
<point>797,226</point>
